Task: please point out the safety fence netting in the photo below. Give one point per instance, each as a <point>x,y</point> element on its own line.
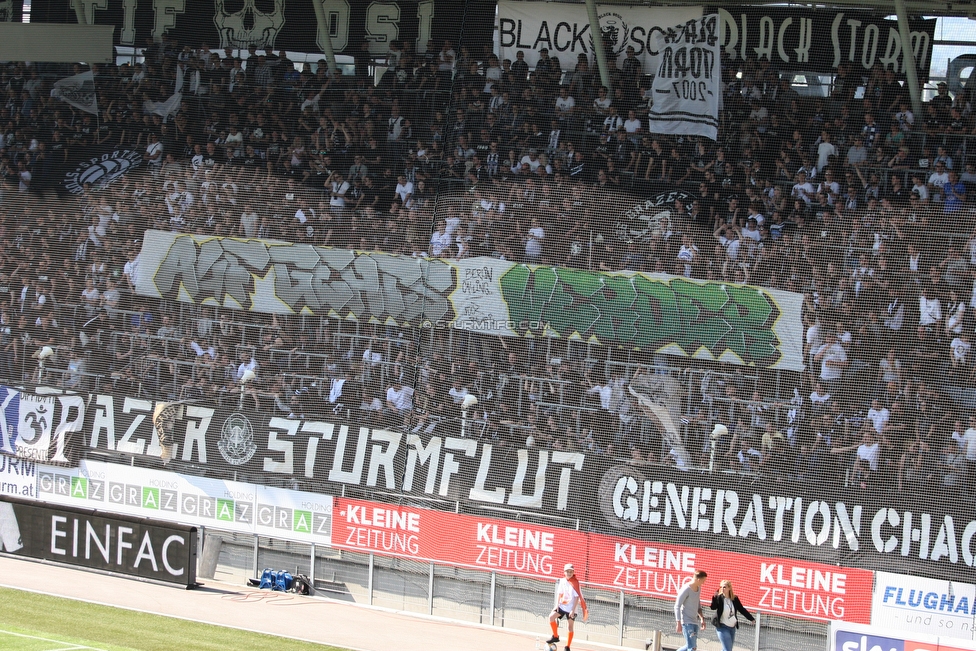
<point>700,299</point>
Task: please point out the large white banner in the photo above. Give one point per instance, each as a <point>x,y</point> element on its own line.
<point>186,499</point>
<point>918,605</point>
<point>564,30</point>
<point>711,320</point>
<point>687,88</point>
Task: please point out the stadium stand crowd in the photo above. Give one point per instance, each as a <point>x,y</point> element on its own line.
<point>849,199</point>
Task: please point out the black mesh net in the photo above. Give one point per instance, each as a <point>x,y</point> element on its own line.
<point>492,256</point>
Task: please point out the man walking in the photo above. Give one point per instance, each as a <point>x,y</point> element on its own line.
<point>688,611</point>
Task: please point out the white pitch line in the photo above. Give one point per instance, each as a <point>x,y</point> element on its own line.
<point>47,639</point>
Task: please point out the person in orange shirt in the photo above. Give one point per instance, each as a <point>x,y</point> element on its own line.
<point>569,603</point>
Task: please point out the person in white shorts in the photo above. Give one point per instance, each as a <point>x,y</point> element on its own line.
<point>569,603</point>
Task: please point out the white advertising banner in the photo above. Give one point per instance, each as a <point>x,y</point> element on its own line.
<point>687,87</point>
<point>18,477</point>
<point>918,605</point>
<point>185,499</point>
<point>845,636</point>
<point>564,30</point>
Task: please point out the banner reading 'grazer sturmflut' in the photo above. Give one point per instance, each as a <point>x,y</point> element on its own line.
<point>738,324</point>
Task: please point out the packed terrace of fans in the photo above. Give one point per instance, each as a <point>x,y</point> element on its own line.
<point>849,199</point>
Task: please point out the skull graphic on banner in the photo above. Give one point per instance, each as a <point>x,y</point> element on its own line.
<point>243,23</point>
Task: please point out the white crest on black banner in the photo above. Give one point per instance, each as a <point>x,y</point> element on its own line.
<point>236,442</point>
<point>102,170</point>
<point>620,513</point>
<point>648,219</point>
<point>615,32</point>
<point>256,23</point>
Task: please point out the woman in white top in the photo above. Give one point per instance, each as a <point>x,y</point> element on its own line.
<point>727,608</point>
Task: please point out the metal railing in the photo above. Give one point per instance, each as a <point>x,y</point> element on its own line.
<point>617,618</point>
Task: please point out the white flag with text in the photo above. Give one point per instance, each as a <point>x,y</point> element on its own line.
<point>687,88</point>
<point>78,91</point>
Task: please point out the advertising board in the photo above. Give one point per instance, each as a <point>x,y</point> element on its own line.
<point>786,587</point>
<point>139,547</point>
<point>172,497</point>
<point>917,604</point>
<point>852,637</point>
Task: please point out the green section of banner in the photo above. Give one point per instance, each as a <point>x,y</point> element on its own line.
<point>647,313</point>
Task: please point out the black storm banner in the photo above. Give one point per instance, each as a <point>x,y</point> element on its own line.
<point>926,533</point>
<point>284,24</point>
<point>821,40</point>
<point>131,546</point>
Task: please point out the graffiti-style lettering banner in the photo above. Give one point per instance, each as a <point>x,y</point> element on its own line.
<point>820,40</point>
<point>564,30</point>
<point>668,314</point>
<point>773,585</point>
<point>185,499</point>
<point>133,546</point>
<point>927,535</point>
<point>283,24</point>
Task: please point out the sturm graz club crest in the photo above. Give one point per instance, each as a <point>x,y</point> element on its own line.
<point>100,171</point>
<point>648,219</point>
<point>236,442</point>
<point>615,34</point>
<point>618,486</point>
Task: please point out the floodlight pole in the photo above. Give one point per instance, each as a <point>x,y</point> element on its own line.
<point>601,53</point>
<point>323,26</point>
<point>908,57</point>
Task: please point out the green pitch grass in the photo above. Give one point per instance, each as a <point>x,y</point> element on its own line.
<point>34,622</point>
